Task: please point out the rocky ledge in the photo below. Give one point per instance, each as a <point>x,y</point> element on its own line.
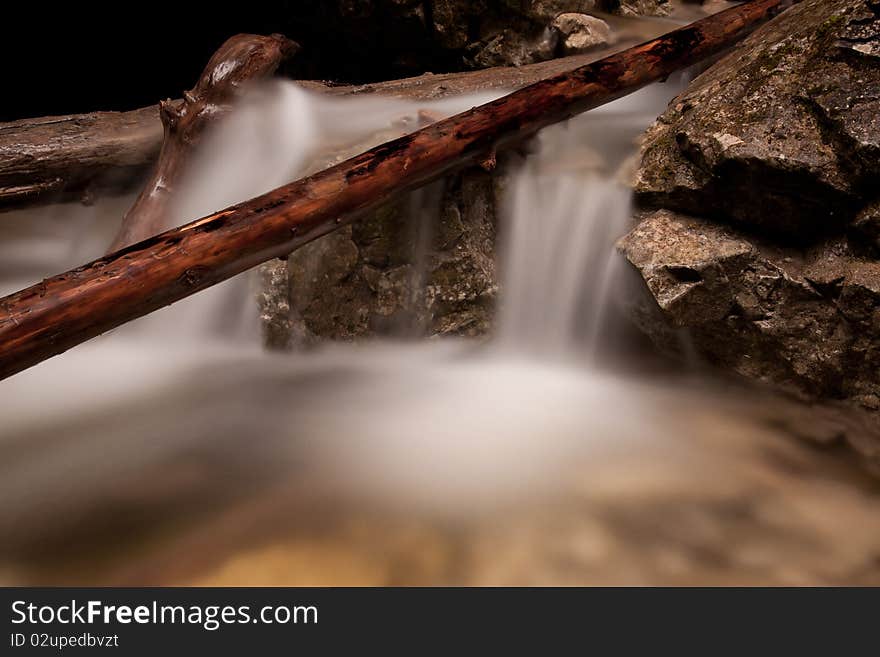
<point>760,229</point>
<point>358,40</point>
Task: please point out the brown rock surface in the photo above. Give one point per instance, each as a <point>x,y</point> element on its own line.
<point>760,234</point>
<point>392,273</point>
<point>787,126</point>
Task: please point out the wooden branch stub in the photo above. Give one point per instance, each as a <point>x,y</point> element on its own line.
<point>242,58</point>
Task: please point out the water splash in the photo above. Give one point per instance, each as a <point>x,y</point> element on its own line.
<point>559,261</point>
<point>178,424</point>
<point>441,424</point>
<point>179,421</point>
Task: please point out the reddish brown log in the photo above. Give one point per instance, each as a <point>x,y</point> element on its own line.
<point>69,158</point>
<point>240,59</point>
<point>65,310</point>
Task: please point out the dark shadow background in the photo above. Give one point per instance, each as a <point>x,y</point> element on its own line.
<point>75,57</point>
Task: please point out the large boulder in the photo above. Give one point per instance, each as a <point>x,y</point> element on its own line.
<point>787,126</point>
<point>807,319</point>
<point>759,240</point>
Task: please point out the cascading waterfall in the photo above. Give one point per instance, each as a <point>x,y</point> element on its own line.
<point>182,415</point>
<point>561,216</point>
<point>176,449</point>
<point>444,426</point>
<point>560,259</point>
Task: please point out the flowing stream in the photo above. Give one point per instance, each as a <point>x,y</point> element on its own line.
<point>175,449</point>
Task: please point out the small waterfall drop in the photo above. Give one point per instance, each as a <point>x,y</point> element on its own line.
<point>566,207</point>
<point>559,259</point>
<point>178,438</point>
<point>441,423</point>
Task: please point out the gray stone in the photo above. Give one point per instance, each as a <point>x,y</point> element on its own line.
<point>581,32</point>
<point>807,321</point>
<point>781,135</point>
<point>778,139</point>
<point>406,270</point>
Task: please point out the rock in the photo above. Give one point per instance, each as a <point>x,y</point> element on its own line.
<point>396,272</point>
<point>866,229</point>
<point>807,321</point>
<point>781,135</point>
<point>461,285</point>
<point>325,296</point>
<point>547,10</point>
<point>637,7</point>
<point>763,259</point>
<point>273,300</point>
<point>581,32</point>
<point>451,20</point>
<point>512,46</point>
<point>778,139</point>
<point>685,264</point>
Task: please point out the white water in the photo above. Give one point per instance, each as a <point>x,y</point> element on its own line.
<point>181,420</point>
<point>435,422</point>
<point>438,426</point>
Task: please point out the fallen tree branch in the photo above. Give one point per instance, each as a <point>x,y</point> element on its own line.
<point>241,58</point>
<point>70,308</point>
<point>81,156</point>
<point>78,157</point>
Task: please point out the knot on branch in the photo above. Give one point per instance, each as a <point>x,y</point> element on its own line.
<point>171,113</point>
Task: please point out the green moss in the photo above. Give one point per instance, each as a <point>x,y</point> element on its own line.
<point>829,26</point>
<point>771,58</point>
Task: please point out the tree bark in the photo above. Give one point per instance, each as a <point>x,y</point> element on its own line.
<point>75,157</point>
<point>242,58</point>
<point>78,157</point>
<point>67,309</point>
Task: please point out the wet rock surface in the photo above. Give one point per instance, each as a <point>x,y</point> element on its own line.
<point>806,318</point>
<point>758,244</point>
<point>407,270</point>
<point>787,125</point>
